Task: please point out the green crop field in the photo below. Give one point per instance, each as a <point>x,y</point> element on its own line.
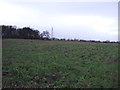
<point>59,64</point>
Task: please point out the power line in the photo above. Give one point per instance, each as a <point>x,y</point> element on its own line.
<point>52,33</point>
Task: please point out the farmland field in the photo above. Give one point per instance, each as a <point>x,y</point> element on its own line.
<point>59,64</point>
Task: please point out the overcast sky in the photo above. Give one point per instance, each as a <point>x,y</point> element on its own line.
<point>80,20</point>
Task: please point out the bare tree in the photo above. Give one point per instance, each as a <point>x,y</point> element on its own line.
<point>45,34</point>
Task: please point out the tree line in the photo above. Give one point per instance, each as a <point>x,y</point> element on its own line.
<point>23,33</point>
<point>29,33</point>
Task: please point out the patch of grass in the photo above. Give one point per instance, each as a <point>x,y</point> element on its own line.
<point>54,64</point>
